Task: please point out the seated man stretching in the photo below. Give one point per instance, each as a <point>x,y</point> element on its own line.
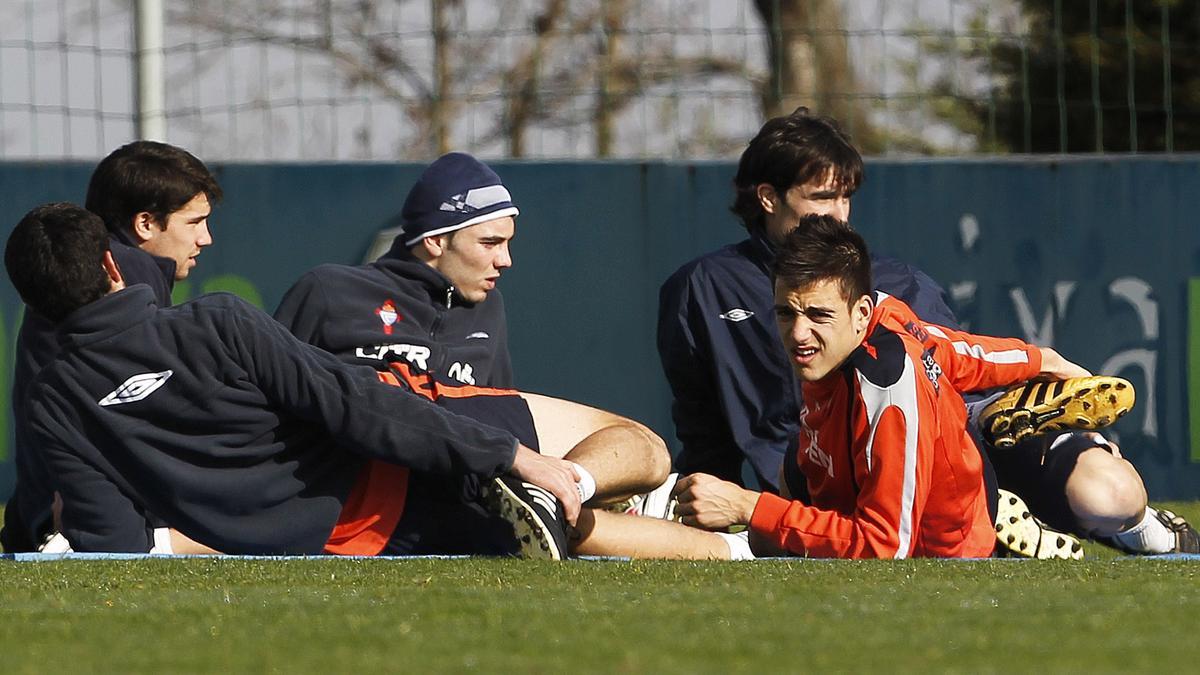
<point>883,449</point>
<point>431,302</point>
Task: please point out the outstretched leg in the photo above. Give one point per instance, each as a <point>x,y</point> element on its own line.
<point>617,534</point>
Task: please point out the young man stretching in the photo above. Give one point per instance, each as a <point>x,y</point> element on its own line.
<point>883,449</point>
<point>242,439</point>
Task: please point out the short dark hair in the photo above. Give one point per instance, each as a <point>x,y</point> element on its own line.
<point>147,176</point>
<point>793,150</point>
<point>54,258</point>
<point>821,248</point>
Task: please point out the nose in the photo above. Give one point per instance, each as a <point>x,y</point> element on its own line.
<point>799,331</point>
<point>841,209</point>
<point>205,237</point>
<point>503,257</point>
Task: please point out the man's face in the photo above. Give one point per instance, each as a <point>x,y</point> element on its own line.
<point>185,234</point>
<point>473,257</point>
<point>819,196</point>
<point>819,327</point>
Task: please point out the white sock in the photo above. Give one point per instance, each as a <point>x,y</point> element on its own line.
<point>739,545</point>
<point>586,484</point>
<point>1148,536</point>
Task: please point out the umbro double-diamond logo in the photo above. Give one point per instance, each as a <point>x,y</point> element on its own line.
<point>737,314</point>
<point>136,388</point>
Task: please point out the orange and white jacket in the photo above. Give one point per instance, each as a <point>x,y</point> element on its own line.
<point>884,450</point>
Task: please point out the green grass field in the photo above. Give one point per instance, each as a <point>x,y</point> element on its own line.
<point>1102,614</point>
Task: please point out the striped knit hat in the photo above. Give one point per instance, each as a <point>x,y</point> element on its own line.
<point>456,191</point>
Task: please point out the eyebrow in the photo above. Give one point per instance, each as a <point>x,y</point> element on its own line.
<point>810,310</point>
<point>827,194</point>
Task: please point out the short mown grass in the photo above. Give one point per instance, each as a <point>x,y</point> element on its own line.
<point>339,615</point>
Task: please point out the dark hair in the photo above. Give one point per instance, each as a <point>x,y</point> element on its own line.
<point>147,176</point>
<point>793,150</point>
<point>55,259</point>
<point>823,247</point>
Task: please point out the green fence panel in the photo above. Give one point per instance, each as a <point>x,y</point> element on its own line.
<point>1092,256</point>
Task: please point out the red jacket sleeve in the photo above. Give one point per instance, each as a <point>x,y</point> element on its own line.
<point>970,362</point>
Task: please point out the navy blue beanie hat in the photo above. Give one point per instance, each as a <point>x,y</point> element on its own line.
<point>456,191</point>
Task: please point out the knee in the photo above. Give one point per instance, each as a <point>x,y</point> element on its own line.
<point>1105,492</point>
<point>657,459</point>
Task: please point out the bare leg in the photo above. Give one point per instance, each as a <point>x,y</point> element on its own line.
<point>1105,492</point>
<point>617,534</point>
<point>624,456</point>
<point>181,544</point>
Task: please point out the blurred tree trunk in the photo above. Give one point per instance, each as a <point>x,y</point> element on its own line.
<point>809,61</point>
<point>438,116</point>
<point>610,63</point>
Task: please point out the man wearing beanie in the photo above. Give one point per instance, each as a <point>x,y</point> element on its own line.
<point>431,304</point>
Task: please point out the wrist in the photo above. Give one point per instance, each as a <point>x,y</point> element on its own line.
<point>749,501</point>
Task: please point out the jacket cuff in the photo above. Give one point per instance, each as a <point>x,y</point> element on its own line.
<point>768,514</point>
<point>512,457</point>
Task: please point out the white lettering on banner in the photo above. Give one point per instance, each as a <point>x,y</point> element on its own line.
<point>417,355</point>
<point>1137,293</point>
<point>1131,290</point>
<point>1043,335</point>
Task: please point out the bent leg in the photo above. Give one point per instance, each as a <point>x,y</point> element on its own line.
<point>1105,493</point>
<point>624,456</point>
<point>618,534</point>
<point>1074,483</point>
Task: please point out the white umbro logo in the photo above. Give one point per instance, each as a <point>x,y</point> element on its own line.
<point>737,314</point>
<point>542,498</point>
<point>136,388</point>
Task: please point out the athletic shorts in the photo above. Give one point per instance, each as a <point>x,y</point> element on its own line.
<point>1039,476</point>
<point>429,514</point>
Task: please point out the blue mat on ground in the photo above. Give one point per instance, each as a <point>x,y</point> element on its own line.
<point>55,557</point>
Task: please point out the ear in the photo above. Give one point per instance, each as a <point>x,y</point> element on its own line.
<point>144,227</point>
<point>768,198</point>
<point>116,279</point>
<point>434,246</point>
<point>860,313</point>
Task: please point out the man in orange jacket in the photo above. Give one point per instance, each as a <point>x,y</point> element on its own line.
<point>884,454</point>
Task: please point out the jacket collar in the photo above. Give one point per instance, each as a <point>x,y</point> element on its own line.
<point>108,316</point>
<point>165,265</point>
<point>759,250</point>
<point>400,262</point>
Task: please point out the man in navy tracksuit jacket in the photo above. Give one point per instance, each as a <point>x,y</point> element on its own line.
<point>211,415</point>
<point>148,194</point>
<point>399,307</point>
<point>431,300</point>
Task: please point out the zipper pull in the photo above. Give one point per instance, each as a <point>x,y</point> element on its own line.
<point>449,296</point>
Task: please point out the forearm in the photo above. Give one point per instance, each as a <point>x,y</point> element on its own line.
<point>809,531</point>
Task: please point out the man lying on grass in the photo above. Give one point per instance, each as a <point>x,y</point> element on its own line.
<point>885,466</point>
<point>243,439</point>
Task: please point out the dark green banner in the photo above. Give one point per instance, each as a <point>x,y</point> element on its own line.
<point>1093,256</point>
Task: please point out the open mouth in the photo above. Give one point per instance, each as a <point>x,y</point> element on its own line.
<point>804,354</point>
